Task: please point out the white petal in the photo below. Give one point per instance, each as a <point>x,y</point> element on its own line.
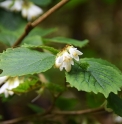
<point>24,12</point>
<point>61,67</point>
<point>13,83</point>
<point>6,4</point>
<point>72,62</point>
<point>67,61</point>
<point>59,61</point>
<point>10,92</point>
<point>2,79</point>
<point>68,67</point>
<point>79,52</point>
<point>74,53</point>
<point>7,93</point>
<point>33,11</point>
<point>76,58</point>
<point>17,5</point>
<point>66,55</point>
<point>3,88</point>
<point>36,9</point>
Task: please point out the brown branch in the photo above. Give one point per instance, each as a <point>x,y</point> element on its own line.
<point>30,26</point>
<point>80,112</point>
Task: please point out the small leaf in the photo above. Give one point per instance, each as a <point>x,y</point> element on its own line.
<point>115,103</point>
<point>51,49</point>
<point>23,61</point>
<point>98,76</point>
<point>67,41</point>
<point>25,87</point>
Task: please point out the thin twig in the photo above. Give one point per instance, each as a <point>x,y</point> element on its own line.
<point>30,25</point>
<point>80,112</point>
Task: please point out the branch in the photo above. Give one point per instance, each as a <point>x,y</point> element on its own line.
<point>79,112</point>
<point>48,113</point>
<point>32,25</point>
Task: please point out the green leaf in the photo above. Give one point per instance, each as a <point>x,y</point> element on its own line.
<point>25,87</point>
<point>23,61</point>
<point>34,40</point>
<point>41,32</point>
<point>67,41</point>
<point>8,38</point>
<point>51,49</point>
<point>7,16</point>
<point>97,76</point>
<point>115,102</point>
<point>103,62</point>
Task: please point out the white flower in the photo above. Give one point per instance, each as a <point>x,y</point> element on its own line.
<point>31,11</point>
<point>9,85</point>
<point>12,5</point>
<point>64,61</point>
<point>28,9</point>
<point>6,4</point>
<point>74,53</point>
<point>65,58</point>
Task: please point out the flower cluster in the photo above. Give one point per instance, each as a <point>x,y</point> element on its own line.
<point>28,9</point>
<point>65,58</point>
<point>8,84</point>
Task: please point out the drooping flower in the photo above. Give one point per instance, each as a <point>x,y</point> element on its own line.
<point>74,52</point>
<point>6,4</point>
<point>31,11</point>
<point>65,58</point>
<point>67,62</point>
<point>9,84</point>
<point>27,8</point>
<point>12,5</point>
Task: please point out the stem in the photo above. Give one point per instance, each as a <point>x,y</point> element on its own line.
<point>32,25</point>
<point>80,112</point>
